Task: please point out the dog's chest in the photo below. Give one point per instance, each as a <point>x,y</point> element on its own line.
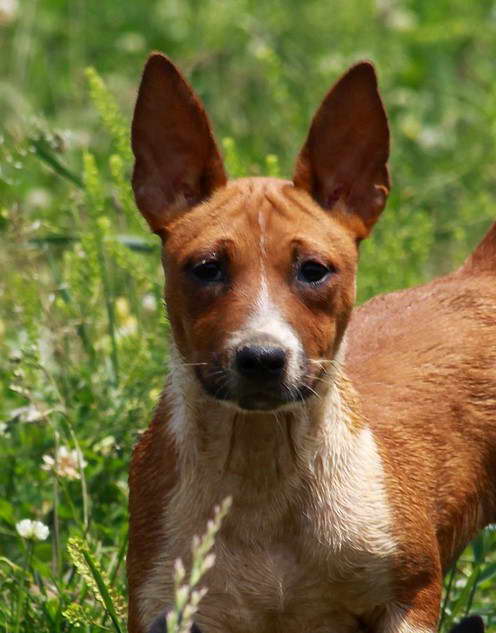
<point>292,587</point>
<point>311,553</point>
<point>323,567</point>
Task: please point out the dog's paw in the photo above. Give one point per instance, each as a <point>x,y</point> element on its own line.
<point>159,625</point>
<point>470,624</point>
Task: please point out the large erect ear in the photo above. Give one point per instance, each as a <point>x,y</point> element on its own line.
<point>344,157</point>
<point>177,161</point>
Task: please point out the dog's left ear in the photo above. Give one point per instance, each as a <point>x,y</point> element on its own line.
<point>177,162</point>
<point>345,155</point>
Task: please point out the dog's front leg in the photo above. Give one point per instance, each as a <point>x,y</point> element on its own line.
<point>159,625</point>
<point>416,607</point>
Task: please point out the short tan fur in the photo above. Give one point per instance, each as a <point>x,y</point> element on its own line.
<point>359,446</point>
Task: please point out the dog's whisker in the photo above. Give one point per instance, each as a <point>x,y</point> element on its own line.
<point>315,393</point>
<point>192,364</point>
<point>327,380</point>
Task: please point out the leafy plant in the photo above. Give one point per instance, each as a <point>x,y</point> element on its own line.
<point>82,330</point>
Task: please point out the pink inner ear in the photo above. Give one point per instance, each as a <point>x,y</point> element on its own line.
<point>331,198</point>
<point>347,147</point>
<point>188,193</point>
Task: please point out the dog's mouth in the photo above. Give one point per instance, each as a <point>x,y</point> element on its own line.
<point>267,395</point>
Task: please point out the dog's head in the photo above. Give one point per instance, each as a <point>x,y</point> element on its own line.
<point>260,272</point>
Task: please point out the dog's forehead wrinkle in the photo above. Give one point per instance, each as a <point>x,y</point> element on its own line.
<point>262,219</point>
<point>256,207</point>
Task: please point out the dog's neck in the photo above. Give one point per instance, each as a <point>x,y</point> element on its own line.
<point>318,459</point>
<point>265,452</point>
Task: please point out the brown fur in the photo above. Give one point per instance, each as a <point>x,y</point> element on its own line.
<point>348,507</point>
<point>424,363</point>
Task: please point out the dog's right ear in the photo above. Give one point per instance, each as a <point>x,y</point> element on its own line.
<point>177,161</point>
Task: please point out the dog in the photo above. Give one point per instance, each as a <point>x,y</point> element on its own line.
<point>359,447</point>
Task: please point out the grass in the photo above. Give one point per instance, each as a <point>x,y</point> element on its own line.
<point>82,331</point>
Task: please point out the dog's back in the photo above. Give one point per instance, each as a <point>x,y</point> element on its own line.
<point>424,363</point>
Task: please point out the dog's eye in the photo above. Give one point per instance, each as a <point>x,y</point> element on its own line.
<point>312,272</point>
<point>208,271</point>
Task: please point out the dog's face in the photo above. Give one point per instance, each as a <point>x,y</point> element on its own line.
<point>260,284</point>
<point>260,272</point>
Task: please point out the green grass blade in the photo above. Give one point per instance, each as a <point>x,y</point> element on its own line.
<point>102,588</point>
<point>44,153</point>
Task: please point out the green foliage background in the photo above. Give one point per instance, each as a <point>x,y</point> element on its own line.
<point>82,332</point>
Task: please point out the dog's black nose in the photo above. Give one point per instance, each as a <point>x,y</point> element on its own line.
<point>260,362</point>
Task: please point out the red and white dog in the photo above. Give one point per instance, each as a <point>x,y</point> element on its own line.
<point>359,448</point>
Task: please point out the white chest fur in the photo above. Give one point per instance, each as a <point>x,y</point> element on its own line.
<point>307,545</point>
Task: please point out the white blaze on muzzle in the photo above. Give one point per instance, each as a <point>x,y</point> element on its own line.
<point>265,324</point>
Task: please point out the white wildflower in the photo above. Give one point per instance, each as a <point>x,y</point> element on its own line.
<point>395,15</point>
<point>402,20</point>
<point>66,463</point>
<point>38,197</point>
<point>8,10</point>
<point>15,355</point>
<point>73,139</point>
<point>123,487</point>
<point>430,137</point>
<point>105,446</point>
<point>149,303</point>
<point>30,413</point>
<point>3,429</point>
<point>129,327</point>
<point>131,42</point>
<point>33,530</point>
